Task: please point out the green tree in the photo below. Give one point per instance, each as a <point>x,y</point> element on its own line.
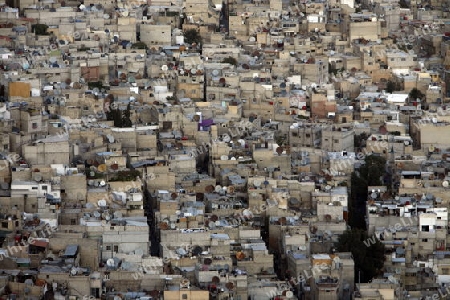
<point>40,29</point>
<point>416,94</point>
<point>229,60</point>
<point>360,140</point>
<point>369,174</point>
<point>390,86</point>
<point>367,252</point>
<point>192,36</point>
<point>139,45</point>
<point>112,112</point>
<point>126,117</point>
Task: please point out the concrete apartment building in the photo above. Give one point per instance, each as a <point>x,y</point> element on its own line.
<point>337,138</point>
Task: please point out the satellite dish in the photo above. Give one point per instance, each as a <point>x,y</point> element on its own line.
<point>110,138</point>
<point>215,72</point>
<point>181,251</point>
<point>105,214</point>
<point>74,272</point>
<point>431,148</point>
<point>102,168</point>
<point>327,188</point>
<point>252,39</point>
<point>101,203</point>
<point>247,213</point>
<point>257,183</point>
<point>230,189</point>
<point>226,138</point>
<point>240,255</point>
<point>193,71</point>
<point>289,294</point>
<point>224,157</point>
<point>110,262</point>
<point>279,150</point>
<point>125,13</point>
<point>97,214</point>
<point>139,252</point>
<point>196,118</point>
<point>92,173</point>
<point>293,202</point>
<point>102,183</point>
<point>209,189</point>
<point>406,143</point>
<point>218,188</point>
<point>164,68</point>
<point>373,195</point>
<point>117,214</point>
<point>445,183</point>
<point>37,177</point>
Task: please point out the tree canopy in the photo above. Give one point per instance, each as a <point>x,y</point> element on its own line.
<point>415,94</point>
<point>121,118</point>
<point>367,252</point>
<point>369,174</point>
<point>192,36</point>
<point>139,45</point>
<point>229,60</point>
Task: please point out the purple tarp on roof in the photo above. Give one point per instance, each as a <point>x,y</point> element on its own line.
<point>206,123</point>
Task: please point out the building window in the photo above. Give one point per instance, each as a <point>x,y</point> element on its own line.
<point>184,296</point>
<point>116,248</point>
<point>403,59</point>
<point>34,125</point>
<point>108,248</point>
<point>5,147</point>
<point>34,188</point>
<point>336,141</point>
<point>73,222</point>
<point>425,240</point>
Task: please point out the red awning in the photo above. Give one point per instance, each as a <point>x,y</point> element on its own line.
<point>39,243</point>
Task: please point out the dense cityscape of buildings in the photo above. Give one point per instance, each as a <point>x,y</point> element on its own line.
<point>237,150</point>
